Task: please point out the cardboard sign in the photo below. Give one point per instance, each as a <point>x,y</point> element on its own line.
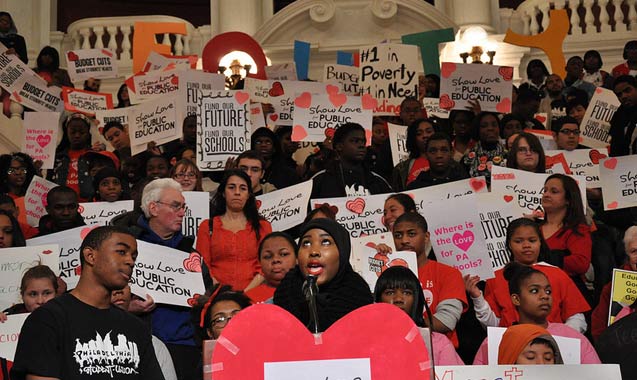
<point>546,138</point>
<point>449,190</point>
<point>91,63</point>
<point>165,62</point>
<point>570,348</point>
<point>10,332</point>
<point>223,127</point>
<point>529,372</point>
<point>287,207</point>
<point>191,84</point>
<point>40,136</point>
<point>197,210</point>
<point>490,85</point>
<point>389,73</point>
<point>623,293</point>
<point>456,235</point>
<point>257,118</point>
<point>101,213</point>
<point>359,369</point>
<point>86,102</point>
<point>317,116</point>
<point>281,71</point>
<point>360,246</point>
<point>14,262</point>
<point>34,93</point>
<point>432,106</point>
<point>346,76</point>
<point>398,142</point>
<point>145,86</point>
<point>154,120</point>
<point>35,199</point>
<point>495,215</point>
<point>168,275</point>
<point>596,122</point>
<point>361,216</point>
<point>13,71</point>
<point>582,162</point>
<point>619,182</point>
<point>304,151</point>
<point>145,41</point>
<point>69,242</point>
<point>524,189</point>
<point>118,114</point>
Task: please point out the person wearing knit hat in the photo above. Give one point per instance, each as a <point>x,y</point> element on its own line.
<point>108,185</point>
<point>528,344</point>
<point>324,251</point>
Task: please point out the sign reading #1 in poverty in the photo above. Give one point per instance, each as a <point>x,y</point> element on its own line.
<point>86,102</point>
<point>91,63</point>
<point>583,162</point>
<point>389,73</point>
<point>488,84</point>
<point>361,215</point>
<point>223,127</point>
<point>287,207</point>
<point>153,120</point>
<point>619,182</point>
<point>40,136</point>
<point>596,122</point>
<point>346,76</point>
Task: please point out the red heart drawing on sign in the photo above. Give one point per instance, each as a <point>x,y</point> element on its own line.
<point>258,204</point>
<point>368,102</point>
<point>331,89</point>
<point>80,209</point>
<point>175,80</point>
<point>85,231</point>
<point>43,140</point>
<point>192,301</point>
<point>508,198</point>
<point>357,206</point>
<point>598,90</point>
<point>72,56</point>
<point>47,252</point>
<point>276,89</point>
<point>463,241</point>
<point>504,106</point>
<point>241,97</point>
<point>371,245</point>
<point>384,259</point>
<point>78,271</point>
<point>329,132</point>
<point>540,118</point>
<point>612,205</point>
<point>446,102</point>
<point>595,156</point>
<point>298,133</point>
<point>447,69</point>
<point>193,263</point>
<point>477,184</point>
<point>303,101</point>
<point>506,73</point>
<point>244,345</point>
<point>338,100</point>
<point>611,163</point>
<point>274,117</point>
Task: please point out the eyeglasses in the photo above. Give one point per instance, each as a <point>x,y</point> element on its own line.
<point>253,169</point>
<point>16,171</point>
<point>174,206</point>
<point>574,132</point>
<point>184,175</point>
<point>222,320</point>
<point>526,150</point>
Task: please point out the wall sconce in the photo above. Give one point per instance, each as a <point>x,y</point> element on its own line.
<point>476,37</point>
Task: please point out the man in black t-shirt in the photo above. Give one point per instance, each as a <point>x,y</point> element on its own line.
<point>80,335</point>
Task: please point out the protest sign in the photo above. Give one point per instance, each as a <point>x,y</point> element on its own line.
<point>287,207</point>
<point>448,190</point>
<point>317,116</point>
<point>398,142</point>
<point>86,102</point>
<point>13,71</point>
<point>304,151</point>
<point>570,348</point>
<point>359,369</point>
<point>69,242</point>
<point>456,235</point>
<point>546,138</point>
<point>153,120</point>
<point>40,136</point>
<point>118,114</point>
<point>14,262</point>
<point>529,372</point>
<point>623,294</point>
<point>524,189</point>
<point>389,73</point>
<point>145,86</point>
<point>281,71</point>
<point>257,118</point>
<point>361,244</point>
<point>495,215</point>
<point>223,127</point>
<point>619,181</point>
<point>101,213</point>
<point>556,163</point>
<point>346,76</point>
<point>361,215</point>
<point>35,199</point>
<point>432,106</point>
<point>168,275</point>
<point>582,162</point>
<point>543,118</point>
<point>596,122</point>
<point>36,94</point>
<point>165,62</point>
<point>10,334</point>
<point>490,85</point>
<point>91,63</point>
<point>191,83</point>
<point>197,210</point>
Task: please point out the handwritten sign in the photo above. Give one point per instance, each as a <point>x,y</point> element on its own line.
<point>10,333</point>
<point>357,369</point>
<point>389,73</point>
<point>118,114</point>
<point>432,106</point>
<point>619,182</point>
<point>490,85</point>
<point>165,62</point>
<point>361,216</point>
<point>168,275</point>
<point>101,213</point>
<point>281,71</point>
<point>623,293</point>
<point>35,199</point>
<point>13,71</point>
<point>223,127</point>
<point>287,207</point>
<point>398,142</point>
<point>86,102</point>
<point>456,235</point>
<point>191,83</point>
<point>596,122</point>
<point>582,162</point>
<point>145,86</point>
<point>346,76</point>
<point>570,348</point>
<point>318,116</point>
<point>197,210</point>
<point>91,63</point>
<point>529,372</point>
<point>154,120</point>
<point>34,93</point>
<point>449,190</point>
<point>546,138</point>
<point>14,262</point>
<point>495,215</point>
<point>40,136</point>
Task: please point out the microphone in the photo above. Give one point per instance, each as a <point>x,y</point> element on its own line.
<point>310,290</point>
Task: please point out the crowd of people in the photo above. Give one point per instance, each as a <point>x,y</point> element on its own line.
<point>556,284</point>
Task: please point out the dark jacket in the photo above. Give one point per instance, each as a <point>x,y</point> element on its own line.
<point>16,42</point>
<point>331,183</point>
<point>455,172</point>
<point>622,126</point>
<point>46,227</point>
<point>61,170</point>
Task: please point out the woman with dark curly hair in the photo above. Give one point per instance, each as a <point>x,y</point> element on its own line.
<point>16,172</point>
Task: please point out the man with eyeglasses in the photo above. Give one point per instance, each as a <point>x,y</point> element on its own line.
<point>62,214</point>
<point>566,133</point>
<point>252,164</point>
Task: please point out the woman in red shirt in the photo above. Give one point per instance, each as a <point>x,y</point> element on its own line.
<point>230,245</point>
<point>406,171</point>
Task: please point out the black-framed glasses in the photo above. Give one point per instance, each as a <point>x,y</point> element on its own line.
<point>17,171</point>
<point>574,132</point>
<point>184,175</point>
<point>174,206</point>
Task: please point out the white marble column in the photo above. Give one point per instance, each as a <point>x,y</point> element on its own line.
<point>33,20</point>
<point>475,12</point>
<point>238,15</point>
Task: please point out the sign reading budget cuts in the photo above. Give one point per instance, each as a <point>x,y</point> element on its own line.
<point>345,76</point>
<point>91,63</point>
<point>223,127</point>
<point>36,94</point>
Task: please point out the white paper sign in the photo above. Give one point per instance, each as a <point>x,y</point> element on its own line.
<point>360,246</point>
<point>596,122</point>
<point>432,106</point>
<point>570,348</point>
<point>197,210</point>
<point>619,182</point>
<point>361,216</point>
<point>101,213</point>
<point>490,85</point>
<point>34,93</point>
<point>448,190</point>
<point>40,136</point>
<point>168,275</point>
<point>529,372</point>
<point>495,215</point>
<point>118,114</point>
<point>546,138</point>
<point>13,71</point>
<point>156,61</point>
<point>281,71</point>
<point>582,162</point>
<point>287,207</point>
<point>346,76</point>
<point>10,333</point>
<point>191,84</point>
<point>398,142</point>
<point>146,86</point>
<point>86,102</point>
<point>356,369</point>
<point>154,120</point>
<point>91,63</point>
<point>35,199</point>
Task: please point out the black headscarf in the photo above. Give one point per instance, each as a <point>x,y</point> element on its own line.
<point>347,291</point>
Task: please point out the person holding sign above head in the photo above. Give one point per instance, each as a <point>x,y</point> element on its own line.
<point>488,151</point>
<point>527,246</point>
<point>528,344</point>
<point>348,176</point>
<point>407,171</point>
<point>323,256</point>
<point>527,154</point>
<point>532,297</point>
<point>442,167</point>
<point>623,131</point>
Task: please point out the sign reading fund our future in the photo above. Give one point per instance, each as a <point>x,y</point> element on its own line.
<point>223,127</point>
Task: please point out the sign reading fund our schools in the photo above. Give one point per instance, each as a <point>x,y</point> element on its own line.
<point>223,127</point>
<point>596,122</point>
<point>91,63</point>
<point>389,73</point>
<point>153,120</point>
<point>490,85</point>
<point>12,69</point>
